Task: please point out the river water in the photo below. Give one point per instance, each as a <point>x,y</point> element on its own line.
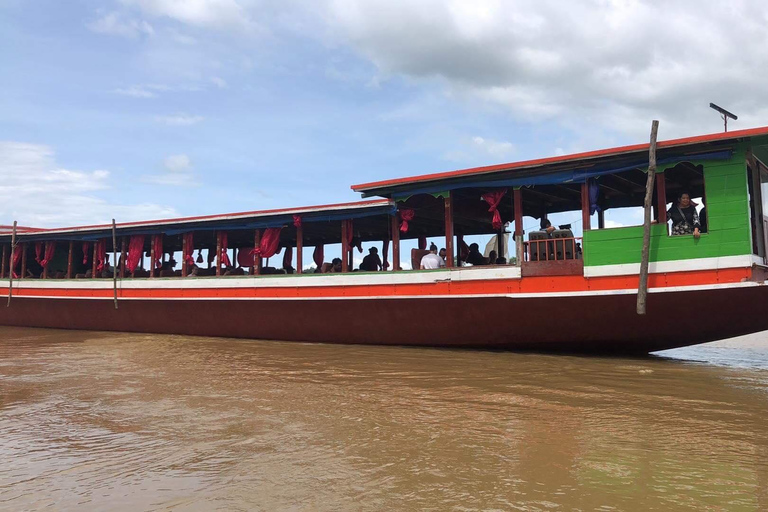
<point>139,422</point>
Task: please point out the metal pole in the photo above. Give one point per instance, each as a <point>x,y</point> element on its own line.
<point>642,288</point>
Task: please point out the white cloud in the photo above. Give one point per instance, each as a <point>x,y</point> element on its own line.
<point>219,14</point>
<point>548,60</point>
<point>177,163</point>
<point>115,23</point>
<point>179,120</point>
<point>136,92</point>
<point>36,191</point>
<point>478,150</point>
<point>493,147</point>
<point>219,82</point>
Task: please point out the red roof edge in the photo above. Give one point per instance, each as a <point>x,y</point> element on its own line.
<point>560,159</point>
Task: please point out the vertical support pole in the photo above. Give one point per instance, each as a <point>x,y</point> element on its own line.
<point>218,253</point>
<point>661,198</point>
<point>499,245</point>
<point>601,219</point>
<point>585,221</point>
<point>10,275</point>
<point>184,269</point>
<point>642,288</point>
<point>344,247</point>
<point>122,257</point>
<point>114,262</point>
<point>45,268</point>
<point>395,243</point>
<point>256,258</point>
<point>299,248</point>
<point>5,260</point>
<point>93,262</point>
<point>152,256</point>
<point>23,261</point>
<point>70,256</point>
<point>449,230</point>
<point>518,199</point>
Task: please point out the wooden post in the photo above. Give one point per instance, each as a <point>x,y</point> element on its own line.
<point>45,268</point>
<point>585,221</point>
<point>601,219</point>
<point>23,261</point>
<point>661,198</point>
<point>395,243</point>
<point>122,257</point>
<point>69,258</point>
<point>93,263</point>
<point>5,260</point>
<point>518,200</point>
<point>218,253</point>
<point>344,247</point>
<point>184,272</point>
<point>256,258</point>
<point>299,248</point>
<point>10,276</point>
<point>642,288</point>
<point>449,230</point>
<point>114,262</point>
<point>499,245</point>
<point>151,256</point>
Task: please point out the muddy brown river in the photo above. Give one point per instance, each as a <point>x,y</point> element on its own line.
<point>104,421</point>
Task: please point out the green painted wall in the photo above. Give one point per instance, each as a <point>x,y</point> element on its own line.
<point>729,231</point>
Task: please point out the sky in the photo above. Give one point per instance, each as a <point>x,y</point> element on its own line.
<point>144,109</point>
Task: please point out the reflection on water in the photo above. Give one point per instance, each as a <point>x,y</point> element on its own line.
<point>130,422</point>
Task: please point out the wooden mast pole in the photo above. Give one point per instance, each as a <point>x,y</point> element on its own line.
<point>114,261</point>
<point>642,288</point>
<point>10,276</point>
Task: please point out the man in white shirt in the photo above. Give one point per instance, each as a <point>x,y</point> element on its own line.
<point>431,260</point>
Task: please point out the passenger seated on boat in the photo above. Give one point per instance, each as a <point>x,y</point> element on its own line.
<point>335,266</point>
<point>685,220</point>
<point>474,257</point>
<point>372,262</point>
<point>492,257</point>
<point>140,272</point>
<point>431,260</point>
<point>443,254</point>
<point>703,220</point>
<point>235,271</point>
<point>547,226</point>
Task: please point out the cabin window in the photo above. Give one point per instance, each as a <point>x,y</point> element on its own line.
<point>685,178</point>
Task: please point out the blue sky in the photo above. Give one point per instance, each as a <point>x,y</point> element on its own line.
<point>139,109</point>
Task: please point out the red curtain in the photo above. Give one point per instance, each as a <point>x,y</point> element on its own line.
<point>50,247</point>
<point>224,247</point>
<point>406,216</point>
<point>318,256</point>
<point>86,252</point>
<point>463,248</point>
<point>422,242</point>
<point>493,199</point>
<point>16,260</point>
<point>297,221</point>
<point>270,241</point>
<point>287,256</point>
<point>385,255</point>
<point>39,252</point>
<point>189,243</point>
<point>352,241</point>
<point>135,250</point>
<point>101,254</point>
<point>157,245</point>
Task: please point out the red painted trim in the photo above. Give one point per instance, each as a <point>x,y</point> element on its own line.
<point>560,159</point>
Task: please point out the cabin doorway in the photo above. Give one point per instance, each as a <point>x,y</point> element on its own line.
<point>757,185</point>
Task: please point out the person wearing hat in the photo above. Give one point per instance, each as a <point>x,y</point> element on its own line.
<point>372,262</point>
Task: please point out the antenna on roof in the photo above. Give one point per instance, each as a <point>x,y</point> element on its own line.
<point>724,114</point>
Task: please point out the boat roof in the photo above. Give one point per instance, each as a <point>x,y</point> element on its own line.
<point>622,156</point>
<point>240,220</point>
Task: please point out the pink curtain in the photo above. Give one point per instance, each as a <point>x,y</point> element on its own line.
<point>287,256</point>
<point>86,252</point>
<point>406,216</point>
<point>16,260</point>
<point>297,221</point>
<point>422,242</point>
<point>101,254</point>
<point>224,248</point>
<point>270,241</point>
<point>135,250</point>
<point>39,247</point>
<point>50,247</point>
<point>493,199</point>
<point>189,241</point>
<point>385,254</point>
<point>318,255</point>
<point>157,245</point>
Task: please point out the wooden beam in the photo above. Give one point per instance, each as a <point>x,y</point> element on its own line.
<point>448,201</point>
<point>152,256</point>
<point>23,261</point>
<point>642,288</point>
<point>256,258</point>
<point>395,243</point>
<point>218,253</point>
<point>299,249</point>
<point>585,221</point>
<point>184,269</point>
<point>344,247</point>
<point>601,219</point>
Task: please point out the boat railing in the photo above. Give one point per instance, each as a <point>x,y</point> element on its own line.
<point>553,249</point>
